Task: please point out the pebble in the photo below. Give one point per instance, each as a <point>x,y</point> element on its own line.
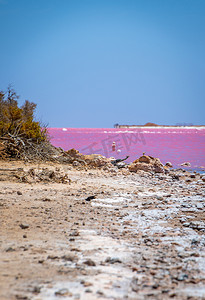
<point>63,292</point>
<point>89,262</point>
<point>24,226</point>
<point>159,197</point>
<point>169,164</point>
<point>68,257</point>
<point>88,291</point>
<point>113,260</point>
<point>140,189</point>
<point>76,163</point>
<point>86,284</point>
<point>175,177</point>
<point>199,205</point>
<point>182,277</point>
<point>90,198</point>
<point>74,233</point>
<point>53,257</point>
<point>100,293</point>
<point>36,290</point>
<point>41,261</point>
<point>10,249</point>
<point>195,242</point>
<point>19,193</point>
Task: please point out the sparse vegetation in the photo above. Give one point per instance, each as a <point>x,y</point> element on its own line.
<point>19,121</point>
<point>21,136</point>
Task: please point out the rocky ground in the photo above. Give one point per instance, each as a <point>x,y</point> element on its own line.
<point>74,233</point>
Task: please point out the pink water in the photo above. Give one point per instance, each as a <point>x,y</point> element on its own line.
<point>174,144</point>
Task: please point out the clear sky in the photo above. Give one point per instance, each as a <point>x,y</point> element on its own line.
<point>94,63</point>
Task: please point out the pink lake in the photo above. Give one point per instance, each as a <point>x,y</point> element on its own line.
<point>174,144</point>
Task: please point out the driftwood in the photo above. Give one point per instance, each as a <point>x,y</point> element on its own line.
<point>17,147</point>
<point>117,162</point>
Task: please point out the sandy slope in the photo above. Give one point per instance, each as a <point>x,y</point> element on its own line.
<point>142,237</point>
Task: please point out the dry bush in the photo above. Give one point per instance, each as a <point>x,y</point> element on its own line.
<point>21,136</point>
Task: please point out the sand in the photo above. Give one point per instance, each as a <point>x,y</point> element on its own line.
<point>141,237</point>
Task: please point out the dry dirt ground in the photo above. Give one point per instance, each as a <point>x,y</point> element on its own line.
<point>141,237</point>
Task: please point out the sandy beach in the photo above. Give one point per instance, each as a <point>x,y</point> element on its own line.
<point>138,236</point>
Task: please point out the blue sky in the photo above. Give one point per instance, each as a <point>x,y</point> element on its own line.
<point>94,63</point>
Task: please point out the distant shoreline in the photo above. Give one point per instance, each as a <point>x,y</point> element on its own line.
<point>131,127</point>
<point>160,126</point>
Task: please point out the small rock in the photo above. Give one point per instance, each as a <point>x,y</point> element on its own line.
<point>86,284</point>
<point>192,175</point>
<point>21,297</point>
<point>195,242</point>
<point>53,257</point>
<point>100,293</point>
<point>186,164</point>
<point>155,286</point>
<point>168,164</point>
<point>165,291</point>
<point>159,197</point>
<point>90,198</point>
<point>172,294</point>
<point>113,260</point>
<point>10,249</point>
<point>89,262</point>
<point>24,226</point>
<point>68,257</point>
<point>182,219</point>
<point>63,292</point>
<point>71,240</point>
<point>140,189</point>
<point>36,290</point>
<point>76,163</point>
<point>175,177</point>
<point>199,206</point>
<point>88,291</point>
<point>203,178</point>
<point>121,165</point>
<point>74,233</point>
<point>195,254</point>
<point>186,224</point>
<point>41,261</point>
<point>19,193</point>
<point>46,200</point>
<point>182,277</point>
